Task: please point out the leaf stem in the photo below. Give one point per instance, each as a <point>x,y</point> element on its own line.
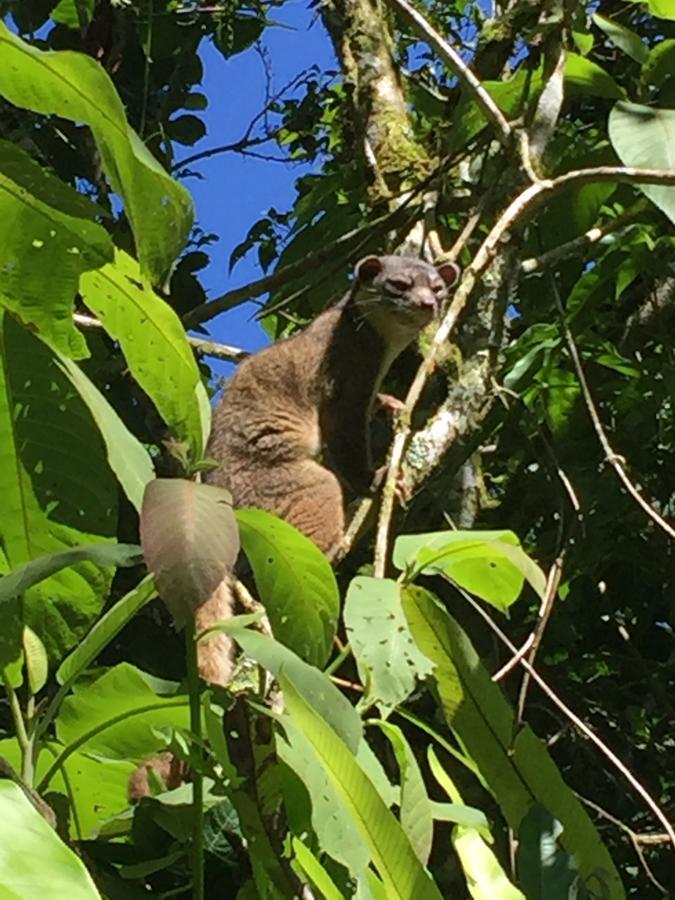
<point>25,742</point>
<point>197,855</point>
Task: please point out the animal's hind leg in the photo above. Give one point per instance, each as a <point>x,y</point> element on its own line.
<point>313,502</point>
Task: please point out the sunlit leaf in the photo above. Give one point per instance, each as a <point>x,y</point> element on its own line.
<point>623,38</point>
<point>389,661</point>
<point>485,877</point>
<point>295,583</point>
<point>76,87</point>
<point>153,342</point>
<point>644,136</point>
<point>35,862</point>
<point>47,239</point>
<point>589,78</point>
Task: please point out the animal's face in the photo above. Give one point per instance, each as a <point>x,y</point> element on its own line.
<point>408,291</point>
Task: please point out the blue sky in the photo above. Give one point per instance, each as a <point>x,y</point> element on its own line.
<point>236,191</point>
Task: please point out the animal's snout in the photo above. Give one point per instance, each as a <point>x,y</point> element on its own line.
<point>425,298</point>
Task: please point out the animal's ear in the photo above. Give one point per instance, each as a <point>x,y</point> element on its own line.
<point>367,268</point>
<point>449,272</point>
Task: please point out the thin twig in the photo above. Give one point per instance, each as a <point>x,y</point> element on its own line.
<point>455,62</point>
<point>204,347</point>
<point>615,461</point>
<point>637,840</point>
<point>578,244</point>
<point>517,213</point>
<point>576,721</point>
<point>545,611</point>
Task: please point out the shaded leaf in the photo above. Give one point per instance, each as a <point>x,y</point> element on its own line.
<point>623,38</point>
<point>660,64</point>
<point>295,583</point>
<point>47,239</point>
<point>514,764</point>
<point>545,870</point>
<point>390,850</point>
<point>190,541</point>
<point>416,809</point>
<point>28,838</point>
<point>589,78</point>
<point>57,488</point>
<point>389,661</point>
<point>76,87</point>
<point>644,136</point>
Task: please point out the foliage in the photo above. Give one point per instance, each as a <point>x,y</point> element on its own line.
<point>413,760</point>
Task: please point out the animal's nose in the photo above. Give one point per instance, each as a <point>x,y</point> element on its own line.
<point>425,297</point>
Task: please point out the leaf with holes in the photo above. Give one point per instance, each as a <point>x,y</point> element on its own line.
<point>76,87</point>
<point>47,239</point>
<point>388,659</point>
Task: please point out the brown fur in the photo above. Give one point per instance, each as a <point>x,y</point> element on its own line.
<point>312,395</point>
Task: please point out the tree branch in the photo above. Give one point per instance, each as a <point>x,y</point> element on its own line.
<point>519,211</point>
<point>457,65</point>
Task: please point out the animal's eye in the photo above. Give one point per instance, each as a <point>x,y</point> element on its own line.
<point>438,287</point>
<point>398,284</point>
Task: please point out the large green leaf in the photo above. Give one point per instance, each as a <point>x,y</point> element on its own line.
<point>316,688</point>
<point>57,487</point>
<point>644,136</point>
<point>589,78</point>
<point>513,763</point>
<point>660,64</point>
<point>662,9</point>
<point>34,861</point>
<point>96,788</point>
<point>416,808</point>
<point>490,564</point>
<point>47,239</point>
<point>153,342</point>
<point>76,87</point>
<point>389,661</point>
<point>20,580</point>
<point>623,38</point>
<point>295,583</point>
<point>127,457</point>
<point>118,716</point>
<point>190,541</point>
<point>485,877</point>
<point>388,845</point>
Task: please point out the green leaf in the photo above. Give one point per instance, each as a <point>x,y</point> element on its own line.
<point>35,861</point>
<point>485,877</point>
<point>490,564</point>
<point>544,869</point>
<point>589,78</point>
<point>186,130</point>
<point>190,540</point>
<point>153,342</point>
<point>389,848</point>
<point>662,9</point>
<point>295,583</point>
<point>47,239</point>
<point>316,688</point>
<point>644,136</point>
<point>127,457</point>
<point>117,717</point>
<point>35,657</point>
<point>66,13</point>
<point>18,581</point>
<point>388,659</point>
<point>513,763</point>
<point>660,64</point>
<point>584,41</point>
<point>316,873</point>
<point>623,38</point>
<point>57,488</point>
<point>76,87</point>
<point>104,631</point>
<point>416,809</point>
